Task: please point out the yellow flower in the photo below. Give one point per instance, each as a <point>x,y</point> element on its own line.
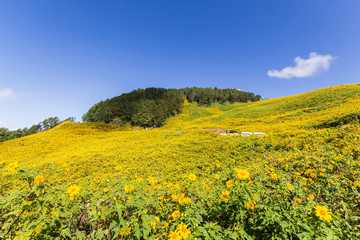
<point>242,174</point>
<point>126,233</point>
<point>255,196</point>
<point>12,166</point>
<point>288,186</point>
<point>330,167</point>
<point>175,214</point>
<point>139,179</point>
<point>38,179</point>
<point>311,196</point>
<point>183,231</point>
<point>274,176</point>
<point>182,199</point>
<point>164,225</point>
<point>153,224</point>
<point>55,214</point>
<point>354,172</point>
<point>229,184</point>
<point>322,213</point>
<point>217,176</point>
<point>298,200</point>
<point>174,236</point>
<point>251,205</point>
<point>356,184</point>
<point>63,164</point>
<point>73,190</point>
<point>128,188</point>
<point>225,195</point>
<point>175,197</point>
<point>152,180</point>
<point>192,177</point>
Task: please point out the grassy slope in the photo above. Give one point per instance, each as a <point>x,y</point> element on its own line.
<point>90,152</point>
<point>276,115</point>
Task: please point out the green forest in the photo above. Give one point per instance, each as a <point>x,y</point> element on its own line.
<point>152,106</point>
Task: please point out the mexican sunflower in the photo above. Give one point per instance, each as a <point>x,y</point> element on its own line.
<point>322,213</point>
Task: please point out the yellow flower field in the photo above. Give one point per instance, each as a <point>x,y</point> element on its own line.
<point>182,181</point>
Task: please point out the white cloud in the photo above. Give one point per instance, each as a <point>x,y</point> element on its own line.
<point>3,124</point>
<point>304,67</point>
<point>7,93</point>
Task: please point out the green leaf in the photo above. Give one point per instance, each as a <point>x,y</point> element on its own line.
<point>117,231</point>
<point>79,235</point>
<point>203,231</point>
<point>137,232</point>
<point>65,232</point>
<point>113,224</point>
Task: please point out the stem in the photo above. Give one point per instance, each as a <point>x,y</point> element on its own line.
<point>14,223</point>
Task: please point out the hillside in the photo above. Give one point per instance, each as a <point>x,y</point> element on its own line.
<point>95,148</point>
<point>85,146</point>
<point>326,107</point>
<point>312,144</point>
<point>153,106</point>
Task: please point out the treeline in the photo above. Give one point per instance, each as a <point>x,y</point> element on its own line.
<point>6,134</point>
<point>142,107</point>
<point>152,106</point>
<point>207,96</point>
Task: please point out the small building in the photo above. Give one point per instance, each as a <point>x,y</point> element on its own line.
<point>246,133</point>
<point>259,133</point>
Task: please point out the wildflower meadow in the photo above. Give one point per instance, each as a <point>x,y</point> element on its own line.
<point>301,180</point>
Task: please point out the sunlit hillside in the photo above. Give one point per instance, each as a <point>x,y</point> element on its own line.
<point>325,107</point>
<point>309,157</point>
<point>94,150</point>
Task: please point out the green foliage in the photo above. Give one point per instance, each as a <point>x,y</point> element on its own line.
<point>142,107</point>
<point>193,182</point>
<point>6,134</point>
<point>207,96</point>
<point>284,190</point>
<point>340,121</point>
<point>50,123</point>
<point>152,106</point>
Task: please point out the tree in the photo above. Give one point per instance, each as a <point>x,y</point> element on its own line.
<point>50,123</point>
<point>146,107</point>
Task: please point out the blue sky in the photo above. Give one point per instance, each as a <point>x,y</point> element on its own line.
<point>58,58</point>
